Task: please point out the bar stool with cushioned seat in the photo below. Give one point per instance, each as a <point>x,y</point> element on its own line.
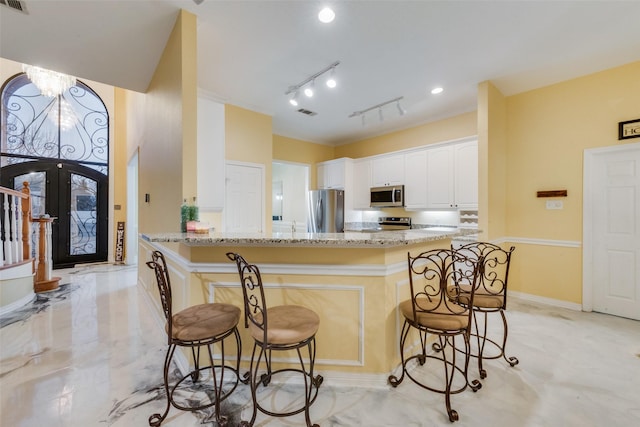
<point>279,328</point>
<point>198,326</point>
<point>490,297</point>
<point>430,310</point>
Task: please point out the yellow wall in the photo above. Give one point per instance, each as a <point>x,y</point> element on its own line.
<point>295,150</point>
<point>492,161</point>
<point>443,130</point>
<point>162,125</point>
<point>548,130</point>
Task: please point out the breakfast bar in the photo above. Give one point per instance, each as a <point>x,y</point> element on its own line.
<point>353,280</point>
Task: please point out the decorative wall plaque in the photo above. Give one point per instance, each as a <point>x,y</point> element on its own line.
<point>629,129</point>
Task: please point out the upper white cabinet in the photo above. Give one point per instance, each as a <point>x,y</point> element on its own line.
<point>361,184</point>
<point>452,176</point>
<point>210,159</point>
<point>333,173</point>
<point>466,174</point>
<point>415,182</point>
<point>387,170</point>
<point>338,175</point>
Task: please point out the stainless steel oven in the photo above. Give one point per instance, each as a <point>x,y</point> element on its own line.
<point>388,196</point>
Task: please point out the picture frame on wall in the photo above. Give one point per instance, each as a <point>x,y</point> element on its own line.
<point>629,129</point>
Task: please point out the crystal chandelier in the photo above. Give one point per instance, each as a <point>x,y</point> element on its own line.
<point>63,115</point>
<point>50,83</point>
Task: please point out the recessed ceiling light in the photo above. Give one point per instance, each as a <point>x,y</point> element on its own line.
<point>436,90</point>
<point>326,15</point>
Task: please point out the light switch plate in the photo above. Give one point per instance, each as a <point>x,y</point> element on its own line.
<point>554,204</point>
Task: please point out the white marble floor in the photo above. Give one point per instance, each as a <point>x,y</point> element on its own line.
<point>91,353</point>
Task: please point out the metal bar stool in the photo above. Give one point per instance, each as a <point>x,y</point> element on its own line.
<point>198,326</point>
<point>490,297</point>
<point>279,328</point>
<point>431,309</point>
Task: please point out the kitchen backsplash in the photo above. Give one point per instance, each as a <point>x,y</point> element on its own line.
<point>417,217</point>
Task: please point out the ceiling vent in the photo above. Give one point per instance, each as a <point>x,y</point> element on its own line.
<point>303,111</point>
<point>15,5</point>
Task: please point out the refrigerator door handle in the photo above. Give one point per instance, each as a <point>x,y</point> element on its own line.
<point>319,216</point>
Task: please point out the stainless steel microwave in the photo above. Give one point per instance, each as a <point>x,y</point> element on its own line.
<point>387,197</point>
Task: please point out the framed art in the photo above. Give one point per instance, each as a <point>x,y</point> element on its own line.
<point>629,129</point>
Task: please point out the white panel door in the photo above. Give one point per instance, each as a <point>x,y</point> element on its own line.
<point>244,201</point>
<point>615,231</point>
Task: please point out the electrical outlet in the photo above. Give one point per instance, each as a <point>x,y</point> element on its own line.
<point>554,204</point>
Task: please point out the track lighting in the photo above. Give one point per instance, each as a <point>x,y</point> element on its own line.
<point>308,84</point>
<point>362,113</point>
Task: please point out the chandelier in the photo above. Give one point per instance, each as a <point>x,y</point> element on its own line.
<point>50,83</point>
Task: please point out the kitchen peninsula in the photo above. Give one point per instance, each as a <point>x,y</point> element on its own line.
<point>353,280</point>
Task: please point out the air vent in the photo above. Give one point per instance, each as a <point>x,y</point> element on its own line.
<point>15,5</point>
<point>307,112</point>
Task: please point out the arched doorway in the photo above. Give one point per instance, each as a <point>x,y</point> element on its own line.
<point>60,145</point>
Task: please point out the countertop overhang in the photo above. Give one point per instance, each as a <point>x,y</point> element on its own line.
<point>349,239</point>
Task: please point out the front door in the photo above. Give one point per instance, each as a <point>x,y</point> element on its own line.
<point>77,197</point>
<point>612,230</point>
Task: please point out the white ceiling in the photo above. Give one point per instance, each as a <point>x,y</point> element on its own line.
<point>250,52</point>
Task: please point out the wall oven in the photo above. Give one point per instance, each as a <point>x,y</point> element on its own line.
<point>387,197</point>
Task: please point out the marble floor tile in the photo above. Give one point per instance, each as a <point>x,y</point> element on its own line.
<point>91,353</point>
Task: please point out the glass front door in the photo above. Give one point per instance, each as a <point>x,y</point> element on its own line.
<point>77,197</point>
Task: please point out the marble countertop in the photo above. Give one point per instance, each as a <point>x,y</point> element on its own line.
<point>349,239</point>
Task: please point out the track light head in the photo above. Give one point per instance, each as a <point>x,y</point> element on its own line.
<point>331,81</point>
<point>309,89</point>
<point>401,110</point>
<point>380,114</point>
<point>294,99</point>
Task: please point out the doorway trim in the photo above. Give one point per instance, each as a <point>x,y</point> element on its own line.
<point>131,230</point>
<point>590,158</point>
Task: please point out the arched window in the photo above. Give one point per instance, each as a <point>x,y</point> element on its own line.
<point>73,126</point>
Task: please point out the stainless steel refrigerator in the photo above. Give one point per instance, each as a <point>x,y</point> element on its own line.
<point>326,211</point>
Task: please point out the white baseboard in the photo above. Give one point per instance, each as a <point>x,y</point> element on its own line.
<point>547,301</point>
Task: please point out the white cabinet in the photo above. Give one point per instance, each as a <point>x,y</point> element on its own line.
<point>361,184</point>
<point>210,159</point>
<point>452,176</point>
<point>338,175</point>
<point>387,170</point>
<point>332,174</point>
<point>415,182</point>
<point>466,175</point>
<point>440,184</point>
